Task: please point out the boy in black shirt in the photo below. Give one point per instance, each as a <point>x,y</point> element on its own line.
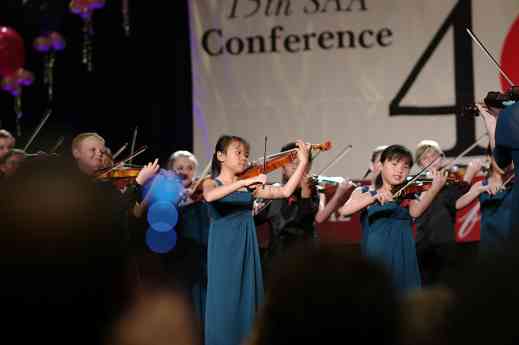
<point>435,233</point>
<point>291,220</point>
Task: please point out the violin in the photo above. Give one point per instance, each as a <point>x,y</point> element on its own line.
<point>322,183</point>
<point>278,160</point>
<point>424,184</point>
<point>121,177</point>
<point>271,163</point>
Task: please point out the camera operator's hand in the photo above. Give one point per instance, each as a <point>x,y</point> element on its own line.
<point>486,111</point>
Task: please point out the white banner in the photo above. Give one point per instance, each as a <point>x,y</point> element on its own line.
<point>336,69</point>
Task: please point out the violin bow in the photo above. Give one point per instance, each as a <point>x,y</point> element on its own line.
<point>121,163</point>
<point>508,180</point>
<point>134,140</point>
<point>120,151</point>
<point>37,129</point>
<point>485,50</point>
<point>202,176</point>
<point>464,153</point>
<point>58,143</point>
<point>434,161</point>
<point>337,158</point>
<point>416,177</point>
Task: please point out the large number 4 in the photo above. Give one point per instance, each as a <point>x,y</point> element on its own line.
<point>459,18</point>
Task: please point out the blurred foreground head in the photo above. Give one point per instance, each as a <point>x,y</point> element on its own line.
<point>159,317</point>
<point>328,296</point>
<point>64,264</point>
<point>487,299</point>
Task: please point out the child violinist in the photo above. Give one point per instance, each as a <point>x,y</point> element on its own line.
<point>495,198</point>
<point>10,162</point>
<point>340,195</point>
<point>184,164</point>
<point>7,142</point>
<point>435,233</point>
<point>386,223</point>
<point>235,283</point>
<point>291,220</point>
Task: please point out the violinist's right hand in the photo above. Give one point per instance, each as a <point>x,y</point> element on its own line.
<point>383,196</point>
<point>344,186</point>
<point>439,178</point>
<point>261,179</point>
<point>147,172</point>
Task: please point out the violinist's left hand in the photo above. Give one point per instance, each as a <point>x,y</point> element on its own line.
<point>303,152</point>
<point>147,172</point>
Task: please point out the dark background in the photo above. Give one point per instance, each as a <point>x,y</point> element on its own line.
<point>142,80</point>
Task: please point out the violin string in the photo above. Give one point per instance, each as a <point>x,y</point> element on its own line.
<point>485,50</point>
<point>37,130</point>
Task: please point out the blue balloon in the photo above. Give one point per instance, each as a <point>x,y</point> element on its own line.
<point>161,242</point>
<point>164,186</point>
<point>162,216</point>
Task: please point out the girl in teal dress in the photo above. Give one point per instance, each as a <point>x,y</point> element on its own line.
<point>495,199</point>
<point>235,284</point>
<point>387,224</point>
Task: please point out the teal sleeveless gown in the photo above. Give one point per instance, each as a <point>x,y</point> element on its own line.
<point>388,239</point>
<point>234,276</point>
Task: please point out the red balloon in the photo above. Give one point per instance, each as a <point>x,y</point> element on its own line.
<point>12,51</point>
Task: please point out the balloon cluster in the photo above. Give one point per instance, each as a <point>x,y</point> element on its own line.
<point>85,8</point>
<point>49,41</point>
<point>162,193</point>
<point>12,59</point>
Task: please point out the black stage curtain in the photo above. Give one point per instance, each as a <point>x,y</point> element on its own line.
<point>143,80</point>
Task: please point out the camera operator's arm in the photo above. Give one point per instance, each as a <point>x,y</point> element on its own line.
<point>489,116</point>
